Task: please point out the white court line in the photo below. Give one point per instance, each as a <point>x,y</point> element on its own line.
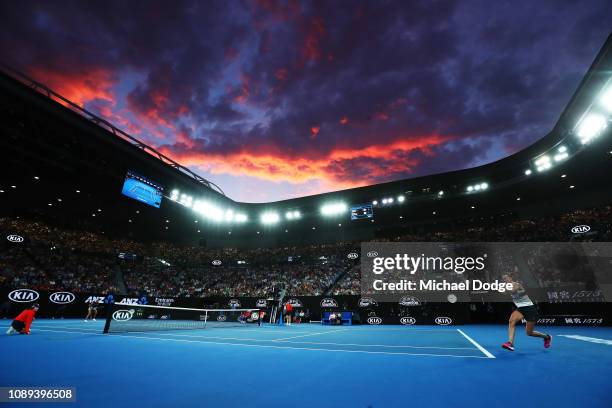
<point>589,339</point>
<point>312,334</point>
<point>263,345</point>
<point>484,351</point>
<point>164,333</point>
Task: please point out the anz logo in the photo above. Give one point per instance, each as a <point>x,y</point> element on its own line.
<point>23,295</point>
<point>407,320</point>
<point>123,315</point>
<point>62,298</point>
<point>374,320</point>
<point>329,303</point>
<point>443,321</point>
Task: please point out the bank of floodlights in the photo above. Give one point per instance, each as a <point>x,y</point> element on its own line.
<point>332,209</point>
<point>269,218</point>
<point>476,188</point>
<point>293,215</point>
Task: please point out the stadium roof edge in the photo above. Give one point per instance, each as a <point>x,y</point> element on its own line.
<point>578,103</point>
<point>103,123</point>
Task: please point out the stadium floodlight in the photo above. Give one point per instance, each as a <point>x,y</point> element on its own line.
<point>543,163</point>
<point>241,218</point>
<point>484,186</point>
<point>562,154</point>
<point>401,199</point>
<point>333,209</point>
<point>528,172</point>
<point>384,201</point>
<point>293,215</point>
<point>375,202</point>
<point>591,127</point>
<point>470,189</point>
<point>229,215</point>
<point>174,195</point>
<point>440,193</point>
<point>477,187</point>
<point>606,99</point>
<point>269,218</point>
<point>390,200</point>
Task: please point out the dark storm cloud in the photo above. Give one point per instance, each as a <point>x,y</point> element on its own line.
<point>346,91</point>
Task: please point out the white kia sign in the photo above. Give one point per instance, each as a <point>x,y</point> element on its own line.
<point>581,229</point>
<point>23,295</point>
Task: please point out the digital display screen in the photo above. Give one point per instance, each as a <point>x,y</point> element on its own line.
<point>142,189</point>
<point>360,212</point>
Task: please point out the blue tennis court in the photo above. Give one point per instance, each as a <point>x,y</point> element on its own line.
<point>311,365</point>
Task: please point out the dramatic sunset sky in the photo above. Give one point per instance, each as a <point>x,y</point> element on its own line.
<point>273,99</point>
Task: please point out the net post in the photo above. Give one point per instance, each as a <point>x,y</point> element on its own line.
<point>205,318</point>
<point>109,316</point>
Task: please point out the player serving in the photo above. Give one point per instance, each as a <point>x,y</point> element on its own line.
<point>525,309</point>
<point>23,321</point>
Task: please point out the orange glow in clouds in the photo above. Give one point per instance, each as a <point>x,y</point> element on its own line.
<point>327,168</point>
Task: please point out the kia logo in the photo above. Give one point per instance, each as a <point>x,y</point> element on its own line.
<point>407,320</point>
<point>123,315</point>
<point>374,320</point>
<point>443,321</point>
<point>14,238</point>
<point>221,318</point>
<point>352,255</point>
<point>372,254</point>
<point>581,229</point>
<point>329,303</point>
<point>216,262</point>
<point>62,298</point>
<point>23,295</point>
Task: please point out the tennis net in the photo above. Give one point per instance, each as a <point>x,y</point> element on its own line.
<point>123,318</point>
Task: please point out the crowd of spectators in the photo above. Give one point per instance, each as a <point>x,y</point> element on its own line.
<point>81,261</point>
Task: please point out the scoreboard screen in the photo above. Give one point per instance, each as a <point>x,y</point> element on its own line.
<point>362,211</point>
<point>142,189</point>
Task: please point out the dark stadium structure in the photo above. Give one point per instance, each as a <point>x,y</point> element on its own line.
<point>51,148</point>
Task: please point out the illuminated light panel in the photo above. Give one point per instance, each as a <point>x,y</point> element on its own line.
<point>591,127</point>
<point>268,218</point>
<point>528,172</point>
<point>334,209</point>
<point>241,218</point>
<point>543,163</point>
<point>606,99</point>
<point>401,199</point>
<point>293,215</point>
